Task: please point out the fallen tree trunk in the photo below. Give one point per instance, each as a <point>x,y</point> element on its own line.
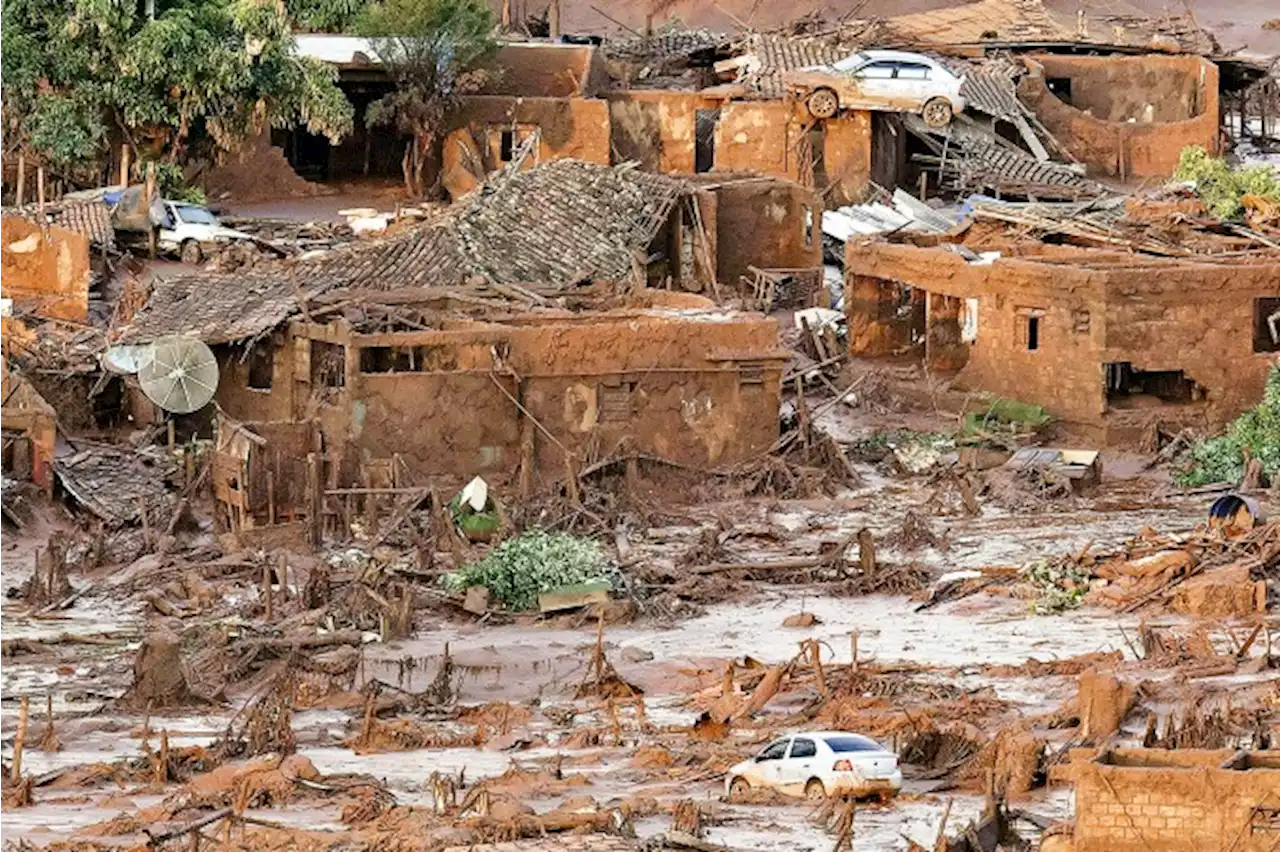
<point>165,836</point>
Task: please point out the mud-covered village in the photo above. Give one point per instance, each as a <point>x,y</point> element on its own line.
<point>640,425</point>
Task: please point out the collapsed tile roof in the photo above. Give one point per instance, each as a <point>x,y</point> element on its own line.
<point>217,308</point>
<point>990,87</point>
<point>772,54</point>
<point>974,160</point>
<point>116,484</point>
<point>672,42</point>
<point>92,219</point>
<point>548,227</point>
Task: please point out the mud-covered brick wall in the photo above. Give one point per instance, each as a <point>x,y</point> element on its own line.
<point>1063,372</point>
<point>46,270</point>
<point>1194,805</point>
<point>759,136</point>
<point>575,128</point>
<point>268,357</point>
<point>764,224</point>
<point>1128,115</point>
<point>1196,317</point>
<point>539,70</point>
<point>658,129</point>
<point>457,424</point>
<point>846,155</point>
<point>699,391</point>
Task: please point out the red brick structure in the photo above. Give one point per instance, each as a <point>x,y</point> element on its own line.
<point>1134,800</point>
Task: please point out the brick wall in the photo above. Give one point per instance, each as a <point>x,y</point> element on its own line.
<point>701,391</point>
<point>847,156</point>
<point>45,269</point>
<point>656,128</point>
<point>1092,308</point>
<point>569,127</point>
<point>763,224</point>
<point>1063,373</point>
<point>1129,116</point>
<point>760,136</point>
<point>1173,800</point>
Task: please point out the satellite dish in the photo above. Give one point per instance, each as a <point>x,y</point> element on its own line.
<point>181,376</point>
<point>126,359</point>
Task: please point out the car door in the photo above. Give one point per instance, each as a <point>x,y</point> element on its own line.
<point>912,82</point>
<point>801,763</point>
<point>870,86</point>
<point>169,236</point>
<point>768,765</point>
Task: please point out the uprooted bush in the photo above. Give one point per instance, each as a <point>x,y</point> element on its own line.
<point>518,570</point>
<point>1257,432</point>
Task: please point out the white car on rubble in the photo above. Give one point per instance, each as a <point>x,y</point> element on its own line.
<point>886,80</point>
<point>191,231</point>
<point>819,764</point>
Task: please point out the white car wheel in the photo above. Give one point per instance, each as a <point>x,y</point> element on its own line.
<point>814,789</point>
<point>738,788</point>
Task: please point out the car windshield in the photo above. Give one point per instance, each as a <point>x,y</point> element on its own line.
<point>850,62</point>
<point>852,742</point>
<point>196,215</point>
<point>775,751</point>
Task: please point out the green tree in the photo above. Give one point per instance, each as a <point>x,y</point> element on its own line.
<point>325,16</point>
<point>431,49</point>
<point>157,72</point>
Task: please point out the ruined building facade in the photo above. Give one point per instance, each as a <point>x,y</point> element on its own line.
<point>1107,341</point>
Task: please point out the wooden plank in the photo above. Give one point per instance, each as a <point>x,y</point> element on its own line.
<point>572,597</point>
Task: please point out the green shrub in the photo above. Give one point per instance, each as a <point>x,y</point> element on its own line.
<point>1221,459</point>
<point>1220,187</point>
<point>518,570</point>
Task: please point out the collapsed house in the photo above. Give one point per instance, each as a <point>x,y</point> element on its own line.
<point>513,334</point>
<point>680,100</point>
<point>30,431</point>
<point>1105,340</point>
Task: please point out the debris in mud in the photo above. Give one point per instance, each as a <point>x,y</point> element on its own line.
<point>160,676</point>
<point>1102,701</point>
<point>1055,585</point>
<point>1012,762</point>
<point>601,679</point>
<point>916,533</point>
<point>265,725</point>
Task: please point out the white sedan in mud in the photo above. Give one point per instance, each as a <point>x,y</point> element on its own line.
<point>192,231</point>
<point>889,80</point>
<point>819,764</point>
